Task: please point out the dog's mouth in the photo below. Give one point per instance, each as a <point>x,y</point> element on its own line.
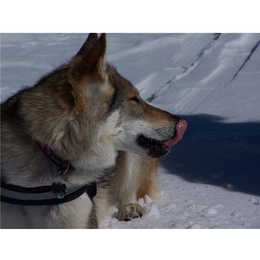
<point>154,147</point>
<point>158,148</point>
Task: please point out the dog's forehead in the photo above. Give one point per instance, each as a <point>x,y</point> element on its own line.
<point>118,81</point>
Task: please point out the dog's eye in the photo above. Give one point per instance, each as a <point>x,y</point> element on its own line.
<point>135,99</point>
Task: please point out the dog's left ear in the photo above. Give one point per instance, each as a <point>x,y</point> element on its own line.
<point>96,58</point>
<point>88,45</point>
<point>92,62</point>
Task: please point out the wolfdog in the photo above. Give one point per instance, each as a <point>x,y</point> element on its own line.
<point>78,142</point>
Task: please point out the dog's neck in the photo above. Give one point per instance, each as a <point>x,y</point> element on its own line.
<point>63,164</point>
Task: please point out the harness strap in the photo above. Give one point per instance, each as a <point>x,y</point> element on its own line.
<point>54,194</point>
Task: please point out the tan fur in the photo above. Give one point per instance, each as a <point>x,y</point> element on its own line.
<point>149,183</point>
<point>133,177</point>
<point>91,116</point>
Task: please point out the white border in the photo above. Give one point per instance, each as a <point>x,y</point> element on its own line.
<point>129,16</point>
<point>130,244</point>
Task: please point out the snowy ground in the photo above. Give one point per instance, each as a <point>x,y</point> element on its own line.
<point>211,179</point>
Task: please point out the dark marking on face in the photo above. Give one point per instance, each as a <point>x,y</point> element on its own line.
<point>115,102</point>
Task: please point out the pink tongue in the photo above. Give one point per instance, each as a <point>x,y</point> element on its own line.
<point>180,130</point>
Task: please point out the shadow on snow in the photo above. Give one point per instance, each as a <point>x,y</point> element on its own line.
<point>218,153</point>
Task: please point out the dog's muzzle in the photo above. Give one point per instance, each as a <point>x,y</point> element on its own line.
<point>156,148</point>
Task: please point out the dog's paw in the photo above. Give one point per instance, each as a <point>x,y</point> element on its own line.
<point>130,211</point>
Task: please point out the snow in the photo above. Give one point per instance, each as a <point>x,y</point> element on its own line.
<point>211,179</point>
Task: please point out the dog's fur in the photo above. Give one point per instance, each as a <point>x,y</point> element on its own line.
<point>91,116</point>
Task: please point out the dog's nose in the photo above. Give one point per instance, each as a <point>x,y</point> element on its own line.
<point>176,119</point>
<point>180,129</point>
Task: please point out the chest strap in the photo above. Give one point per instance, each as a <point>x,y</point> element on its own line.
<point>54,194</point>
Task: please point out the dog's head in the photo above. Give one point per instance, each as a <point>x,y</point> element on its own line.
<point>139,127</point>
<point>131,123</point>
<point>89,109</point>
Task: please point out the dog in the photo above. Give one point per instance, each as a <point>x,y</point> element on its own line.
<point>78,142</point>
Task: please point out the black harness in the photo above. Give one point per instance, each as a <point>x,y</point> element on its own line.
<point>54,194</point>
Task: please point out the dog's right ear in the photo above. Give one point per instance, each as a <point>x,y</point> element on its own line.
<point>95,61</point>
<point>87,66</point>
<point>90,60</point>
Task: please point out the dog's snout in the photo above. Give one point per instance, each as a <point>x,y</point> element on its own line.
<point>176,119</point>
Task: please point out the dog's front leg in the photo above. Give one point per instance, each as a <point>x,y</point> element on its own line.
<point>128,182</point>
<point>134,177</point>
<point>130,211</point>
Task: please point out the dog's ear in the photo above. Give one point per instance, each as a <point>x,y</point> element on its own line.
<point>88,44</point>
<point>95,61</point>
<point>90,60</point>
<point>87,66</point>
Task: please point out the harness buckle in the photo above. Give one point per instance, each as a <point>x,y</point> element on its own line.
<point>59,190</point>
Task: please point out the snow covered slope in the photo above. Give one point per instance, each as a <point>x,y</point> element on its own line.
<point>211,179</point>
